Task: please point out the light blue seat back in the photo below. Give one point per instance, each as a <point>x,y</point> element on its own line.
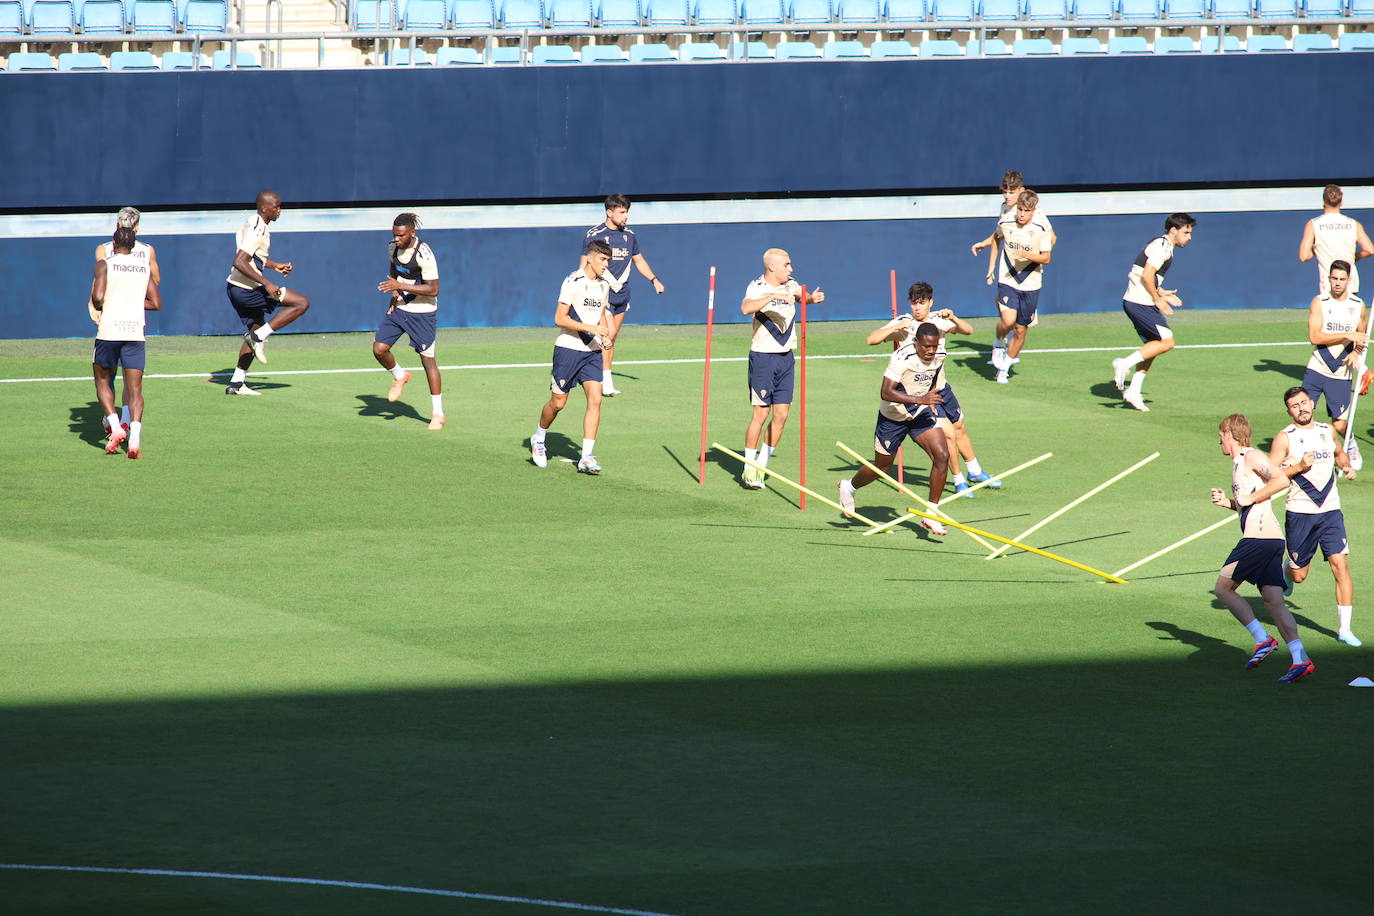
<point>612,14</point>
<point>450,57</point>
<point>103,17</point>
<point>81,60</point>
<point>133,61</point>
<point>30,61</point>
<point>798,50</point>
<point>471,14</point>
<point>700,50</point>
<point>206,16</point>
<point>50,16</point>
<point>889,49</point>
<point>652,53</point>
<point>844,50</point>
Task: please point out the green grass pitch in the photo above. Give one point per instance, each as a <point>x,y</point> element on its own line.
<point>306,637</point>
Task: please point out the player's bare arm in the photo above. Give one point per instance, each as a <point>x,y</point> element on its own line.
<point>1307,247</point>
<point>1320,337</point>
<point>563,319</point>
<point>152,299</point>
<point>154,273</point>
<point>890,392</point>
<point>960,325</point>
<point>1166,300</point>
<point>890,332</point>
<point>98,285</point>
<point>1363,246</point>
<point>243,262</point>
<point>1275,480</point>
<point>643,266</point>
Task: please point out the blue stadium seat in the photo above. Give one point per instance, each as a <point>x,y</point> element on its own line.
<point>700,50</point>
<point>1233,9</point>
<point>1208,44</point>
<point>374,15</point>
<point>127,61</point>
<point>1032,47</point>
<point>887,49</point>
<point>30,61</point>
<point>568,14</point>
<point>753,50</point>
<point>222,60</point>
<point>1071,45</point>
<point>11,17</point>
<point>808,11</point>
<point>102,17</point>
<point>505,55</point>
<point>75,61</point>
<point>1267,43</point>
<point>180,60</point>
<point>205,17</point>
<point>1350,41</point>
<point>1186,9</point>
<point>1094,10</point>
<point>953,10</point>
<point>858,11</point>
<point>1174,44</point>
<point>653,53</point>
<point>1127,44</point>
<point>50,16</point>
<point>602,54</point>
<point>1360,9</point>
<point>471,14</point>
<point>1318,41</point>
<point>154,17</point>
<point>844,50</point>
<point>448,57</point>
<point>667,13</point>
<point>905,11</point>
<point>1046,10</point>
<point>553,54</point>
<point>1324,9</point>
<point>1140,9</point>
<point>611,14</point>
<point>999,10</point>
<point>520,14</point>
<point>424,15</point>
<point>762,12</point>
<point>715,12</point>
<point>940,47</point>
<point>1278,9</point>
<point>798,50</point>
<point>991,47</point>
<point>401,57</point>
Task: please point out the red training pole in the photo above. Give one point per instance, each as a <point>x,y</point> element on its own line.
<point>803,396</point>
<point>706,378</point>
<point>892,278</point>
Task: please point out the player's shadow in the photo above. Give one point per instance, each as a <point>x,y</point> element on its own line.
<point>374,406</point>
<point>1109,394</point>
<point>222,376</point>
<point>978,363</point>
<point>557,447</point>
<point>85,423</point>
<point>1273,365</point>
<point>1210,650</point>
<point>1262,614</point>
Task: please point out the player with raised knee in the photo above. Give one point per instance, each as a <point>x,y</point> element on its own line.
<point>1258,556</point>
<point>586,327</point>
<point>255,298</point>
<point>901,330</point>
<point>911,399</point>
<point>614,231</point>
<point>1338,328</point>
<point>1026,246</point>
<point>413,282</point>
<point>1148,304</point>
<point>122,289</point>
<point>1011,186</point>
<point>128,218</point>
<point>1310,454</point>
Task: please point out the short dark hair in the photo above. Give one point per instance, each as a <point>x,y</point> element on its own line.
<point>124,238</point>
<point>1178,221</point>
<point>1011,180</point>
<point>1339,265</point>
<point>617,200</point>
<point>1294,392</point>
<point>1332,195</point>
<point>1028,199</point>
<point>596,246</point>
<point>927,330</point>
<point>920,291</point>
<point>409,220</point>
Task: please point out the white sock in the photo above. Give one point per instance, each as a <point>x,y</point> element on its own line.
<point>752,454</point>
<point>124,414</point>
<point>438,404</point>
<point>1137,382</point>
<point>1133,360</point>
<point>587,445</point>
<point>1297,651</point>
<point>1257,630</point>
<point>397,372</point>
<point>766,452</point>
<point>606,378</point>
<point>974,468</point>
<point>135,432</point>
<point>263,332</point>
<point>1344,613</point>
<point>958,479</point>
<point>538,437</point>
<point>113,420</point>
<point>239,376</point>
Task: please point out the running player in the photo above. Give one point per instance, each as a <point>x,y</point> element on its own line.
<point>900,331</point>
<point>253,296</point>
<point>1013,183</point>
<point>911,399</point>
<point>413,282</point>
<point>121,291</point>
<point>1332,237</point>
<point>1309,454</point>
<point>624,252</point>
<point>128,218</point>
<point>1149,305</point>
<point>1338,328</point>
<point>1258,556</point>
<point>1025,250</point>
<point>585,321</point>
<point>772,300</point>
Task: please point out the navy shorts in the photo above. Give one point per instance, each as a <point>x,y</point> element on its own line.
<point>1150,323</point>
<point>1337,393</point>
<point>418,326</point>
<point>770,378</point>
<point>131,354</point>
<point>1307,530</point>
<point>888,435</point>
<point>949,405</point>
<point>1258,561</point>
<point>574,367</point>
<point>617,308</point>
<point>252,305</point>
<point>1021,301</point>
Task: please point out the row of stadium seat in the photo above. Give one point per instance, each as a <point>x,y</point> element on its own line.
<point>429,15</point>
<point>113,17</point>
<point>90,61</point>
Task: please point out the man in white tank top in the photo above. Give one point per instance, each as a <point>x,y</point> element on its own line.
<point>128,217</point>
<point>1333,236</point>
<point>121,291</point>
<point>1338,328</point>
<point>1258,555</point>
<point>1310,455</point>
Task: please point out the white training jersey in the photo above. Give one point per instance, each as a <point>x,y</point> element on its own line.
<point>1315,490</point>
<point>775,325</point>
<point>1258,520</point>
<point>255,238</point>
<point>1038,217</point>
<point>1339,316</point>
<point>1012,269</point>
<point>943,324</point>
<point>412,265</point>
<point>126,286</point>
<point>586,300</point>
<point>1159,253</point>
<point>915,377</point>
<point>1334,236</point>
<point>142,251</point>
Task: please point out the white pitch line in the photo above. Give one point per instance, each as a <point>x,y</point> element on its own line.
<point>650,362</point>
<point>326,882</point>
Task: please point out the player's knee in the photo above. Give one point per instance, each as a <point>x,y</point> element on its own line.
<point>1166,344</point>
<point>379,348</point>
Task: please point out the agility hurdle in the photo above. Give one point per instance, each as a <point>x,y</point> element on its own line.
<point>1174,546</point>
<point>978,486</point>
<point>793,484</point>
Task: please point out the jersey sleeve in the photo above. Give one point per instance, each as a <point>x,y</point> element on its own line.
<point>251,234</point>
<point>429,267</point>
<point>895,366</point>
<point>567,294</point>
<point>1046,240</point>
<point>1155,254</point>
<point>634,245</point>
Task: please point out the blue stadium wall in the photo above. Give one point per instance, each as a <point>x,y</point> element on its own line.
<point>529,140</point>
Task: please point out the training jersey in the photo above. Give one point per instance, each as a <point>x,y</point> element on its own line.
<point>142,251</point>
<point>1160,253</point>
<point>775,325</point>
<point>624,246</point>
<point>1013,270</point>
<point>413,265</point>
<point>1257,521</point>
<point>586,299</point>
<point>126,286</point>
<point>1334,237</point>
<point>915,377</point>
<point>1339,316</point>
<point>944,325</point>
<point>1038,217</point>
<point>1315,490</point>
<point>255,238</point>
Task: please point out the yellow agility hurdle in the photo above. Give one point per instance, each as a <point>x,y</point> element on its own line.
<point>793,484</point>
<point>978,486</point>
<point>1035,550</point>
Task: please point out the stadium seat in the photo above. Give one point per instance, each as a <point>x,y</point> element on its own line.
<point>1318,41</point>
<point>1046,10</point>
<point>1360,9</point>
<point>505,55</point>
<point>667,13</point>
<point>753,50</point>
<point>1185,9</point>
<point>762,12</point>
<point>715,12</point>
<point>180,60</point>
<point>1127,44</point>
<point>1233,9</point>
<point>1267,43</point>
<point>568,14</point>
<point>51,16</point>
<point>553,54</point>
<point>520,14</point>
<point>203,17</point>
<point>449,57</point>
<point>602,54</point>
<point>940,47</point>
<point>374,15</point>
<point>424,15</point>
<point>102,17</point>
<point>991,47</point>
<point>844,50</point>
<point>999,10</point>
<point>153,17</point>
<point>612,14</point>
<point>1174,44</point>
<point>700,50</point>
<point>30,61</point>
<point>221,60</point>
<point>471,14</point>
<point>905,11</point>
<point>127,61</point>
<point>1208,44</point>
<point>11,17</point>
<point>1032,47</point>
<point>1071,45</point>
<point>653,53</point>
<point>76,61</point>
<point>1357,41</point>
<point>808,11</point>
<point>890,49</point>
<point>1135,10</point>
<point>1278,9</point>
<point>1324,9</point>
<point>401,57</point>
<point>952,10</point>
<point>1093,10</point>
<point>798,50</point>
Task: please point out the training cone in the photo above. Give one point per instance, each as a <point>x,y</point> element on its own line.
<point>1362,682</point>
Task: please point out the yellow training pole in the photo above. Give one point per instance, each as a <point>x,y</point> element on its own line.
<point>794,485</point>
<point>1093,492</point>
<point>1002,476</point>
<point>1159,553</point>
<point>901,488</point>
<point>1027,547</point>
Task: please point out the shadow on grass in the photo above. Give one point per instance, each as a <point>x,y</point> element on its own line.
<point>377,406</point>
<point>1110,397</point>
<point>84,421</point>
<point>1273,365</point>
<point>979,363</point>
<point>221,379</point>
